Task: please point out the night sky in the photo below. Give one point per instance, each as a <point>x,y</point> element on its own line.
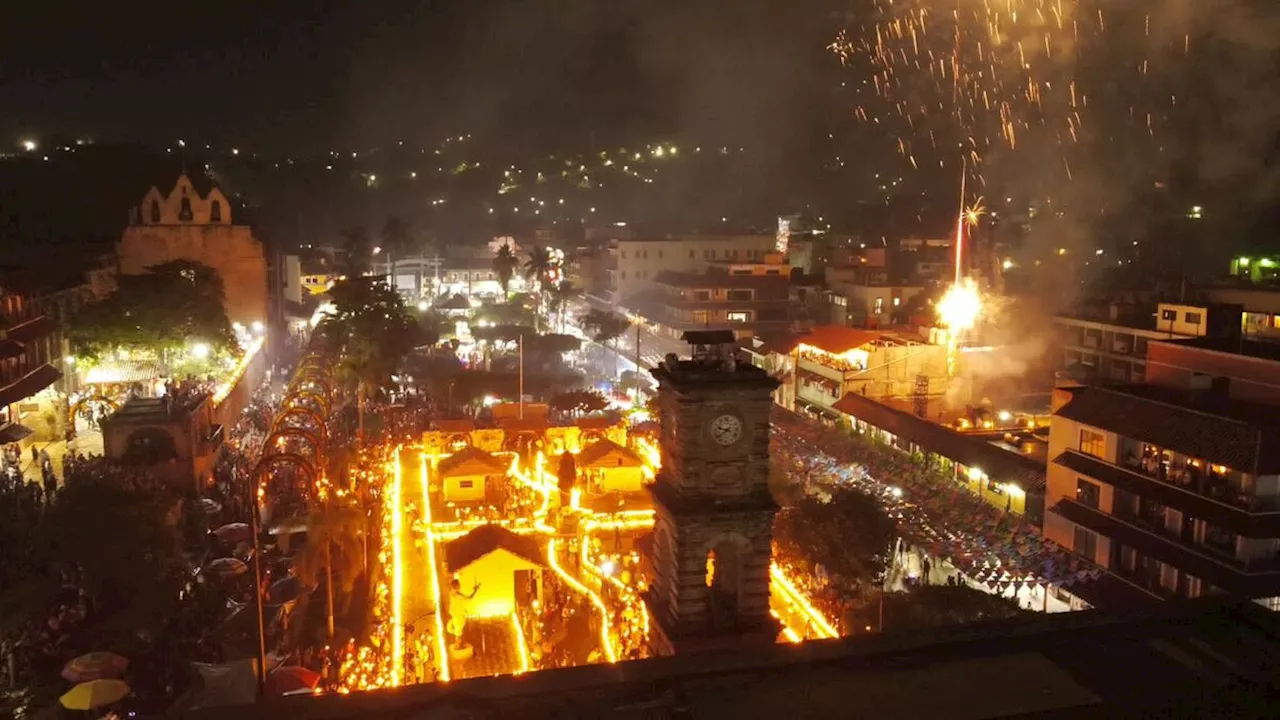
<point>302,75</point>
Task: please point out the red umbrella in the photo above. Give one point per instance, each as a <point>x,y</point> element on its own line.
<point>291,678</point>
<point>95,666</point>
<point>234,533</point>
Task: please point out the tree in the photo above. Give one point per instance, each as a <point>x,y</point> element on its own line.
<point>849,535</point>
<point>357,248</point>
<point>579,401</point>
<point>168,310</point>
<point>561,294</point>
<point>605,327</point>
<point>553,344</point>
<point>373,332</point>
<point>505,263</point>
<point>538,266</point>
<point>123,545</point>
<point>930,606</point>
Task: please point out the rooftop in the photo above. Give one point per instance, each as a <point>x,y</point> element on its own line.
<point>463,551</point>
<point>1241,435</point>
<point>1198,659</point>
<point>999,464</point>
<point>1248,348</point>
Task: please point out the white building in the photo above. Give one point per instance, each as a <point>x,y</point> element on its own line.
<point>634,263</point>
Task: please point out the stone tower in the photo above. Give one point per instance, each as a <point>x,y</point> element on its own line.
<point>713,529</point>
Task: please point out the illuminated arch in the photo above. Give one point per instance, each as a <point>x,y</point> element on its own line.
<point>300,381</point>
<point>263,470</point>
<point>299,411</point>
<point>75,409</point>
<point>295,400</point>
<point>293,431</point>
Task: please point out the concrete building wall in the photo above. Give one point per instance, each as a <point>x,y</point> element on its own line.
<point>1062,483</point>
<point>1253,379</point>
<point>635,263</point>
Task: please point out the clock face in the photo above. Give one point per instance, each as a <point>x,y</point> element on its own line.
<point>726,429</point>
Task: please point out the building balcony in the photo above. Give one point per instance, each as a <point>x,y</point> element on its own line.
<point>1256,519</point>
<point>1252,578</point>
<point>1201,479</point>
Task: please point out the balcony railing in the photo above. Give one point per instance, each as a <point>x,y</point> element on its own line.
<point>1205,483</point>
<point>1185,538</point>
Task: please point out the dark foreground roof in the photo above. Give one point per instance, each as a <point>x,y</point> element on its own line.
<point>1193,660</point>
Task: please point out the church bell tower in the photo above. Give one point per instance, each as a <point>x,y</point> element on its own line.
<point>713,530</point>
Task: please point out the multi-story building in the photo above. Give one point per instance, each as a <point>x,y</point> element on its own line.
<point>862,297</point>
<point>1174,485</point>
<point>30,358</point>
<point>1111,344</point>
<point>747,304</point>
<point>1261,303</point>
<point>635,263</point>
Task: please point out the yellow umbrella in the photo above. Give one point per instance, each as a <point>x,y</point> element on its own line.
<point>94,694</point>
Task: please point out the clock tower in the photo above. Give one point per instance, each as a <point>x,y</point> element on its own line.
<point>713,529</point>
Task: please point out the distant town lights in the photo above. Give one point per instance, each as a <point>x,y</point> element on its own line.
<point>29,145</point>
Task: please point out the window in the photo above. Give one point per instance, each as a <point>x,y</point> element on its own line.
<point>155,211</point>
<point>215,212</point>
<point>1192,317</point>
<point>659,254</point>
<point>1088,493</point>
<point>692,254</point>
<point>1168,314</point>
<point>741,272</point>
<point>466,484</point>
<point>739,316</point>
<point>1093,443</point>
<point>184,214</point>
<point>490,276</point>
<point>897,301</point>
<point>702,295</point>
<point>878,308</point>
<point>1085,543</point>
<point>624,254</point>
<point>740,296</point>
<point>772,272</point>
<point>624,274</point>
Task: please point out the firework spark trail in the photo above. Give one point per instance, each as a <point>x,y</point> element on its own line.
<point>990,81</point>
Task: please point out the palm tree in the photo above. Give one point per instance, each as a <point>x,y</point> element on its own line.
<point>373,331</point>
<point>561,294</point>
<point>505,263</point>
<point>536,269</point>
<point>538,266</point>
<point>335,540</point>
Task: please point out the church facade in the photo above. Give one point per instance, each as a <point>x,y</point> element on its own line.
<point>185,225</point>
